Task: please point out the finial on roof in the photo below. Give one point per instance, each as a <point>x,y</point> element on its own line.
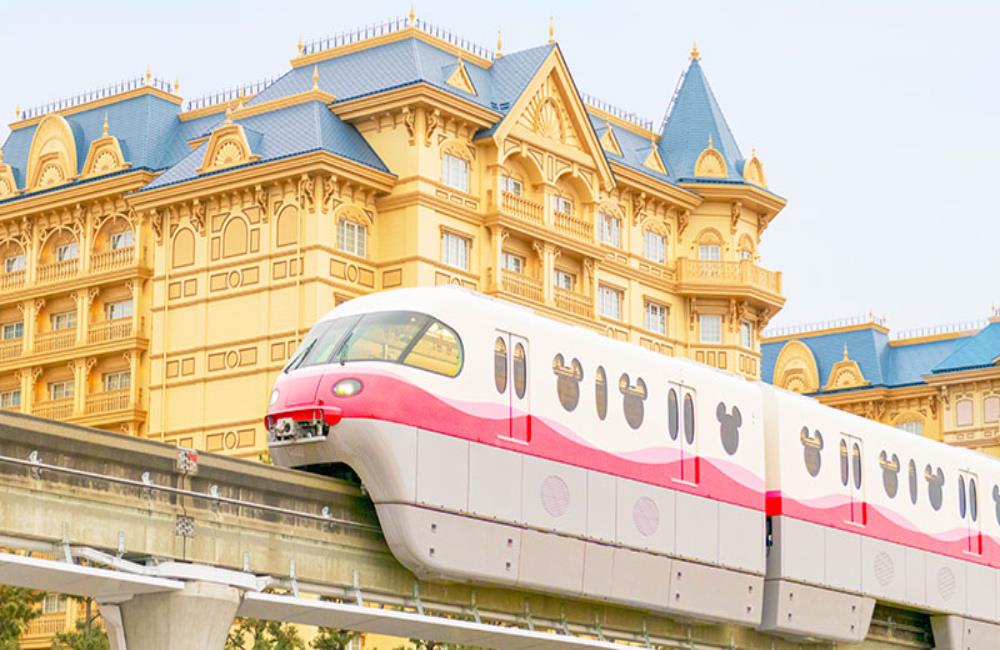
<point>413,16</point>
<point>104,129</point>
<point>552,31</point>
<point>177,84</point>
<point>149,75</point>
<point>695,54</point>
<point>710,141</point>
<point>17,111</point>
<point>229,115</point>
<point>753,152</point>
<point>845,352</point>
<point>315,77</point>
<point>299,45</point>
<point>499,45</point>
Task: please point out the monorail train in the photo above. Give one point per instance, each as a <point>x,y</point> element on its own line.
<point>502,447</point>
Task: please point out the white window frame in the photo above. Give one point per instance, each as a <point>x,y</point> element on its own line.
<point>655,316</point>
<point>14,263</point>
<point>916,427</point>
<point>13,330</point>
<point>68,251</point>
<point>512,262</point>
<point>53,604</point>
<point>710,252</point>
<point>710,328</point>
<point>654,246</point>
<point>610,301</point>
<point>118,309</point>
<point>64,389</point>
<point>352,238</point>
<point>116,380</point>
<point>10,398</point>
<point>511,185</point>
<point>610,229</point>
<point>122,239</point>
<point>562,204</point>
<point>455,172</point>
<point>64,320</point>
<point>746,334</point>
<point>564,280</point>
<point>455,250</point>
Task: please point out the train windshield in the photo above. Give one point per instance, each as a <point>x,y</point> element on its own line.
<point>409,338</point>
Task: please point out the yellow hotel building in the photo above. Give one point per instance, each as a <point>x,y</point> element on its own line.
<point>161,260</point>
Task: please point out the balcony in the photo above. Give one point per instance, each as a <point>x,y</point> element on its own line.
<point>112,330</point>
<point>521,208</point>
<point>112,260</point>
<point>107,402</point>
<point>522,286</point>
<point>718,278</point>
<point>574,303</point>
<point>12,280</point>
<point>54,341</point>
<point>59,270</point>
<point>56,409</point>
<point>11,349</point>
<point>573,226</point>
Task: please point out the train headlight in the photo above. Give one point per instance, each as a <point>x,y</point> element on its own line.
<point>274,397</point>
<point>347,387</point>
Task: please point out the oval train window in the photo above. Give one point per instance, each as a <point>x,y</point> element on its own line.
<point>673,415</point>
<point>912,472</point>
<point>520,371</point>
<point>961,497</point>
<point>500,364</point>
<point>601,392</point>
<point>856,462</point>
<point>845,468</point>
<point>689,419</point>
<point>973,500</point>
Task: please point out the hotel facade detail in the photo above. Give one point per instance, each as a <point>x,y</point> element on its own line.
<point>162,259</point>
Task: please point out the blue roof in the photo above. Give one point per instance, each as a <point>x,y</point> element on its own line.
<point>635,149</point>
<point>286,132</point>
<point>978,351</point>
<point>694,116</point>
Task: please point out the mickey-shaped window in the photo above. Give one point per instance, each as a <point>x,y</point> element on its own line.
<point>890,473</point>
<point>912,471</point>
<point>500,365</point>
<point>935,486</point>
<point>729,427</point>
<point>633,396</point>
<point>689,419</point>
<point>601,392</point>
<point>568,380</point>
<point>673,414</point>
<point>520,370</point>
<point>812,446</point>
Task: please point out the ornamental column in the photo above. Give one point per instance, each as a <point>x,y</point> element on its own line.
<point>29,311</point>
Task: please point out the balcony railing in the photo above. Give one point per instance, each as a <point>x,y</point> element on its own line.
<point>46,625</point>
<point>58,270</point>
<point>57,409</point>
<point>573,226</point>
<point>522,286</point>
<point>112,400</point>
<point>574,303</point>
<point>112,259</point>
<point>11,349</point>
<point>57,340</point>
<point>12,280</point>
<point>522,208</point>
<point>112,330</point>
<point>742,273</point>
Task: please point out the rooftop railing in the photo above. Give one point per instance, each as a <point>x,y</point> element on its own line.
<point>864,319</point>
<point>391,26</point>
<point>620,113</point>
<point>243,91</point>
<point>934,330</point>
<point>119,88</point>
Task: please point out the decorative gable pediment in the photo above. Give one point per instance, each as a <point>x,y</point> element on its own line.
<point>653,160</point>
<point>845,374</point>
<point>104,156</point>
<point>710,163</point>
<point>8,186</point>
<point>227,147</point>
<point>52,157</point>
<point>459,78</point>
<point>609,142</point>
<point>753,171</point>
<point>796,369</point>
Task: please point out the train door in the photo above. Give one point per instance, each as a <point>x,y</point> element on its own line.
<point>851,457</point>
<point>516,391</point>
<point>968,508</point>
<point>681,427</point>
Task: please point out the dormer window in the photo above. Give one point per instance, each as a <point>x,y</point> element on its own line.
<point>66,252</point>
<point>123,239</point>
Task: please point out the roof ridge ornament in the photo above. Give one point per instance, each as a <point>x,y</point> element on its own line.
<point>149,75</point>
<point>695,54</point>
<point>104,129</point>
<point>552,30</point>
<point>499,52</point>
<point>177,84</point>
<point>413,16</point>
<point>315,77</point>
<point>300,46</point>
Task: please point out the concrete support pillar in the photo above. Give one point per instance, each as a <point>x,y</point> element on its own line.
<point>196,618</point>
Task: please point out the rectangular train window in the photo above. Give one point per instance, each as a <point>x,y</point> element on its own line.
<point>852,479</point>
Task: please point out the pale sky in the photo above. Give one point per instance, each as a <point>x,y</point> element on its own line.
<point>877,121</point>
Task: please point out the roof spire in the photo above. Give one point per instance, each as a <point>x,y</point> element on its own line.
<point>315,77</point>
<point>149,75</point>
<point>104,129</point>
<point>413,16</point>
<point>299,46</point>
<point>552,31</point>
<point>695,54</point>
<point>499,46</point>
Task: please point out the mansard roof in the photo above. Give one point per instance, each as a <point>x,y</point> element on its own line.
<point>979,351</point>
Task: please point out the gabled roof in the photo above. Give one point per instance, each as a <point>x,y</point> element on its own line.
<point>285,132</point>
<point>634,148</point>
<point>978,351</point>
<point>694,117</point>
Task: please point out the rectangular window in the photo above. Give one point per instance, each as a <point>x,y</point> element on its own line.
<point>746,334</point>
<point>710,252</point>
<point>13,330</point>
<point>564,280</point>
<point>513,263</point>
<point>710,327</point>
<point>53,604</point>
<point>746,254</point>
<point>123,239</point>
<point>14,263</point>
<point>455,172</point>
<point>64,320</point>
<point>455,250</point>
<point>67,252</point>
<point>654,247</point>
<point>352,237</point>
<point>511,185</point>
<point>10,399</point>
<point>610,302</point>
<point>611,230</point>
<point>562,204</point>
<point>912,426</point>
<point>120,380</point>
<point>116,310</point>
<point>61,390</point>
<point>991,409</point>
<point>656,318</point>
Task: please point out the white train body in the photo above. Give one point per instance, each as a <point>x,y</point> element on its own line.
<point>502,447</point>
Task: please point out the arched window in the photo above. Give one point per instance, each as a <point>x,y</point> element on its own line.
<point>520,370</point>
<point>235,238</point>
<point>286,226</point>
<point>991,409</point>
